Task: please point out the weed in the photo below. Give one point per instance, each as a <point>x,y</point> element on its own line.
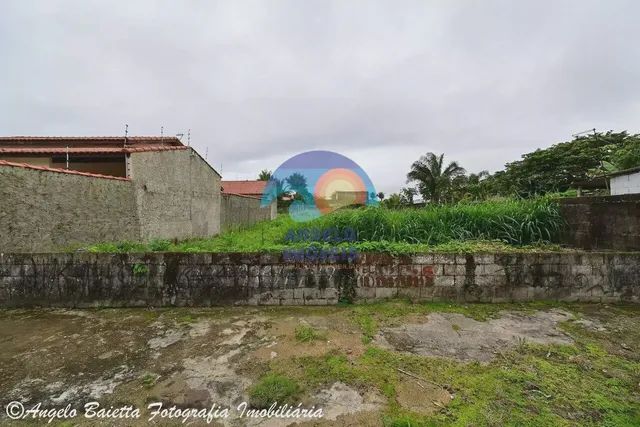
<point>186,319</point>
<point>159,245</point>
<point>140,270</point>
<point>306,333</point>
<point>273,388</point>
<point>149,380</point>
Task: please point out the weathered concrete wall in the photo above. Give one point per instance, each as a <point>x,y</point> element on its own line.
<point>45,211</point>
<point>85,280</point>
<point>177,194</point>
<point>609,222</point>
<point>238,211</point>
<point>171,194</point>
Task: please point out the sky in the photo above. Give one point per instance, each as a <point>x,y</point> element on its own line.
<point>382,82</point>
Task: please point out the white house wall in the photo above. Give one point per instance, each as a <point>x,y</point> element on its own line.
<point>625,184</point>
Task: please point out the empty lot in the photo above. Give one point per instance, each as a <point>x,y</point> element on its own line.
<point>391,363</point>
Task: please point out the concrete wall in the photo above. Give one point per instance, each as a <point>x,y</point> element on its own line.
<point>625,184</point>
<point>172,194</point>
<point>610,222</point>
<point>44,211</point>
<point>156,279</point>
<point>177,194</point>
<point>238,211</point>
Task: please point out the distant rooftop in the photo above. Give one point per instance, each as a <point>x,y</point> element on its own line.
<point>246,188</point>
<point>87,144</point>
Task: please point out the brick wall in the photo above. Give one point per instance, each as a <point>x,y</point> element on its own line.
<point>87,280</point>
<point>43,211</point>
<point>237,211</point>
<point>610,222</point>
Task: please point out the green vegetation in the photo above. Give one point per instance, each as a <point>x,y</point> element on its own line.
<point>544,171</point>
<point>498,226</point>
<point>140,270</point>
<point>149,380</point>
<point>516,222</point>
<point>305,333</point>
<point>433,178</point>
<point>590,383</point>
<point>273,388</point>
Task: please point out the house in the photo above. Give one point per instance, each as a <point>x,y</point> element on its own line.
<point>63,192</point>
<point>99,155</point>
<point>626,181</point>
<point>617,183</point>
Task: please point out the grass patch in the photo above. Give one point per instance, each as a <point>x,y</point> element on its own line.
<point>591,383</point>
<point>305,333</point>
<point>273,388</point>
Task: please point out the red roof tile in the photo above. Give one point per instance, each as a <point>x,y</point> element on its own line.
<point>67,171</point>
<point>246,188</point>
<point>86,145</point>
<point>29,140</point>
<point>139,148</point>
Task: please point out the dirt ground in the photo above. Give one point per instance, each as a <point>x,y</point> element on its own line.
<point>459,337</point>
<point>196,358</point>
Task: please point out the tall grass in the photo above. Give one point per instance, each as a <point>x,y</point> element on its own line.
<point>515,222</point>
<point>503,225</point>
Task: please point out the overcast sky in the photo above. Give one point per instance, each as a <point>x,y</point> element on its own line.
<point>382,82</point>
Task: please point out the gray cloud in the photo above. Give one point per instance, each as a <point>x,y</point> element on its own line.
<point>382,82</point>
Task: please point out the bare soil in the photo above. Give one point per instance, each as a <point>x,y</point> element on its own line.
<point>456,336</point>
<point>198,357</point>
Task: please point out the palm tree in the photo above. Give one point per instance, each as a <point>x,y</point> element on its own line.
<point>407,194</point>
<point>297,183</point>
<point>265,175</point>
<point>432,178</point>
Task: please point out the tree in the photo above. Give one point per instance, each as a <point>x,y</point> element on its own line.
<point>277,188</point>
<point>628,156</point>
<point>432,178</point>
<point>407,194</point>
<point>394,201</point>
<point>380,196</point>
<point>553,169</point>
<point>469,187</point>
<point>265,175</point>
<point>297,183</point>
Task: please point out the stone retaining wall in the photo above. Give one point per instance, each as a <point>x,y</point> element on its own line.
<point>86,280</point>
